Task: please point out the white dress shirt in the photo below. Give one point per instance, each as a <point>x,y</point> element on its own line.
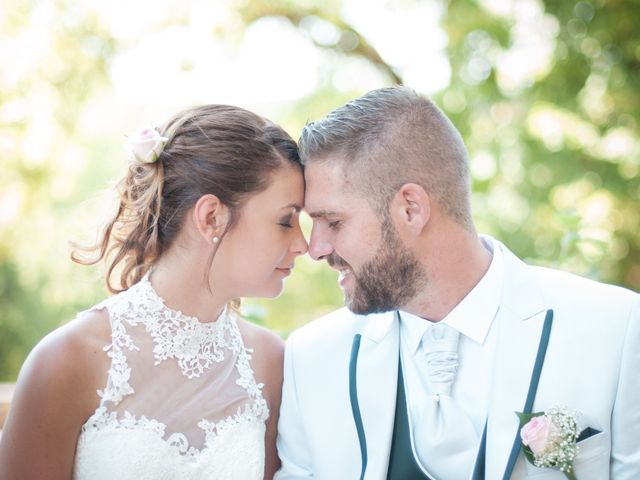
<point>473,318</point>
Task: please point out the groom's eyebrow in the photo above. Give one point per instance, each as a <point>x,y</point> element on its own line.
<point>322,214</point>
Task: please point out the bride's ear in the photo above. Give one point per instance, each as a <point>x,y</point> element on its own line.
<point>211,217</point>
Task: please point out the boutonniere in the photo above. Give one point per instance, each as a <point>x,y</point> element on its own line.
<point>549,439</point>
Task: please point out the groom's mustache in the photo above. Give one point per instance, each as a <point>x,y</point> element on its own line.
<point>335,261</point>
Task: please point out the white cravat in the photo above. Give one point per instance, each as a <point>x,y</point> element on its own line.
<point>473,318</point>
<point>448,439</point>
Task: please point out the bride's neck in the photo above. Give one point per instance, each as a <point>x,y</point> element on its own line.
<point>183,284</point>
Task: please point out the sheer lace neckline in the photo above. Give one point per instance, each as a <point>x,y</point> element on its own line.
<point>145,284</point>
<point>195,345</point>
<point>180,397</point>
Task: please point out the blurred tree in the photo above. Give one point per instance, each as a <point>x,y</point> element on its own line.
<point>58,58</point>
<point>545,93</point>
<point>561,130</point>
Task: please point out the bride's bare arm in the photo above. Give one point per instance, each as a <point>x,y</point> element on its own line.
<point>55,394</point>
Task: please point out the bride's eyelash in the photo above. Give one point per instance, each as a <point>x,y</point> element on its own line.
<point>286,222</point>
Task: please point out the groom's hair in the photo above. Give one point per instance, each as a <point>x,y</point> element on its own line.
<point>390,137</point>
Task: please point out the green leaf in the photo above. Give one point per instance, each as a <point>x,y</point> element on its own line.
<point>525,417</point>
<point>528,454</point>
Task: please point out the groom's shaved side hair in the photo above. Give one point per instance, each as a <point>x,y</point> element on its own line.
<point>390,137</point>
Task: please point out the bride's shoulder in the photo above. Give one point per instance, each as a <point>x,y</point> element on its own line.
<point>267,356</point>
<point>266,345</point>
<point>79,340</point>
<point>71,358</point>
<point>56,390</point>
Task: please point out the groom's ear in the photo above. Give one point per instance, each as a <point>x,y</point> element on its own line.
<point>210,217</point>
<point>411,208</point>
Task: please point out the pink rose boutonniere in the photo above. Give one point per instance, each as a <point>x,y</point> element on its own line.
<point>549,439</point>
<point>146,145</point>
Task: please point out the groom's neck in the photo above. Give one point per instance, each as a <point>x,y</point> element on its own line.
<point>454,261</point>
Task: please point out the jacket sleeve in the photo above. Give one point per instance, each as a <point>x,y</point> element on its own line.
<point>625,422</point>
<point>293,444</point>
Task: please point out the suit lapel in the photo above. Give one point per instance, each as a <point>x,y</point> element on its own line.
<point>376,381</point>
<point>481,457</point>
<point>513,366</point>
<point>519,323</point>
<point>533,388</point>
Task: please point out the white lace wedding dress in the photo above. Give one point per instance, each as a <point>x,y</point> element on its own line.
<point>181,401</point>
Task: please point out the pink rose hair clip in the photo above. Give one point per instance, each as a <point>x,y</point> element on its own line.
<point>146,145</point>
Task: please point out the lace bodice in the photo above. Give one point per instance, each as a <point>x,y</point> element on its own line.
<point>180,402</point>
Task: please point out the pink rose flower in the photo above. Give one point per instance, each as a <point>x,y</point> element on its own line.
<point>146,145</point>
<point>549,439</point>
<point>538,434</point>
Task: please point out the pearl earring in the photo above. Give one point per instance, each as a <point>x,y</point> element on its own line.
<point>215,240</point>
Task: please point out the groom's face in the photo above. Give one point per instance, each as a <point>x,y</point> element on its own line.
<point>377,272</point>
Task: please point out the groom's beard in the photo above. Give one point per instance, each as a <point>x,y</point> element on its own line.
<point>386,282</point>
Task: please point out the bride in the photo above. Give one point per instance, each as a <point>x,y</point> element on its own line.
<point>164,380</point>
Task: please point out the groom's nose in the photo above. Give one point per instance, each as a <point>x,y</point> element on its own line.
<point>319,247</point>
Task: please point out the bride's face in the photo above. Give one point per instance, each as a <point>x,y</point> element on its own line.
<point>258,253</point>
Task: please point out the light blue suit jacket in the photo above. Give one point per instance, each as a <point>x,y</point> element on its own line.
<point>592,366</point>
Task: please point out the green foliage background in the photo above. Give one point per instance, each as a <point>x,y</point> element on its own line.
<point>555,159</point>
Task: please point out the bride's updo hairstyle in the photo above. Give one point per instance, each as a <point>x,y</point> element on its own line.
<point>214,149</point>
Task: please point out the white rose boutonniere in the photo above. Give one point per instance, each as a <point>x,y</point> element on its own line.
<point>549,439</point>
<point>146,145</point>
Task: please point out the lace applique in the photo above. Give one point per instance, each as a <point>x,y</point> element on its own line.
<point>119,372</point>
<point>118,381</point>
<point>247,380</point>
<point>103,420</point>
<point>179,442</point>
<point>195,346</point>
<point>256,411</point>
<point>140,454</point>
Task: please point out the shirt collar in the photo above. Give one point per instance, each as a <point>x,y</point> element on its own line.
<point>473,316</point>
<point>412,328</point>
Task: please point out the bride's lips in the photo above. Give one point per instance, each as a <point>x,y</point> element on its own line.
<point>285,270</point>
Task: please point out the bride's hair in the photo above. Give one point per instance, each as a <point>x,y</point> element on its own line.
<point>214,149</point>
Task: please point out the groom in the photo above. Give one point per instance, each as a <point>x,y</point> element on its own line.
<point>445,334</point>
